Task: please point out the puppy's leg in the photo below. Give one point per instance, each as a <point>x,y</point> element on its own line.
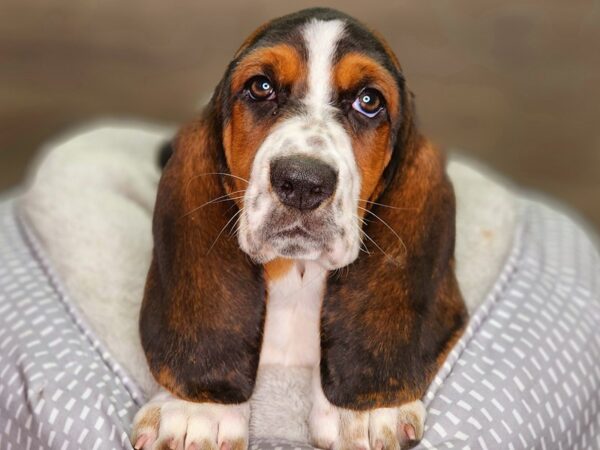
<point>336,428</point>
<point>324,418</point>
<point>166,422</point>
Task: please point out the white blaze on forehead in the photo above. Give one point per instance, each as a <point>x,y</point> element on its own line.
<point>321,38</point>
<point>337,220</point>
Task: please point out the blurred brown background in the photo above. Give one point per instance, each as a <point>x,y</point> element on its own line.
<point>515,84</point>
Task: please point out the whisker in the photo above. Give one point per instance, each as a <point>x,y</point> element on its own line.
<point>386,206</point>
<point>215,173</point>
<point>223,229</point>
<point>365,234</point>
<point>388,226</point>
<point>234,227</point>
<point>249,198</point>
<point>362,246</point>
<point>376,244</point>
<point>224,174</point>
<point>233,205</point>
<point>222,198</point>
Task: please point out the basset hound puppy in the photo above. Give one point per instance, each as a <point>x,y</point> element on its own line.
<point>302,220</point>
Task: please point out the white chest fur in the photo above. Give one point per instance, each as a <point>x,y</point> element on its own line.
<point>291,333</point>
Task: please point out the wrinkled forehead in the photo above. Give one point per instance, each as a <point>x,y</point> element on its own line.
<point>316,46</point>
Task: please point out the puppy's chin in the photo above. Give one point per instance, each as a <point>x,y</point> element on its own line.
<point>331,255</point>
<point>300,249</point>
<point>296,249</point>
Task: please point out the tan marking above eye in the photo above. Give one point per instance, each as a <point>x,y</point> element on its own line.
<point>281,59</point>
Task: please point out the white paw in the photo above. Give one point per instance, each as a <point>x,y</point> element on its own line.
<point>380,429</point>
<point>169,423</point>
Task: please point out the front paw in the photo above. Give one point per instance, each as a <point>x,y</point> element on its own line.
<point>380,429</point>
<point>169,423</point>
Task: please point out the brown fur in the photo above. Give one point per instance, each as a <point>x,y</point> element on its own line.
<point>388,323</point>
<point>241,140</point>
<point>203,309</point>
<point>277,268</point>
<point>372,157</point>
<point>149,420</point>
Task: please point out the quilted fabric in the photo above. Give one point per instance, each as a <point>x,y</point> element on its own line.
<point>526,374</point>
<point>58,386</point>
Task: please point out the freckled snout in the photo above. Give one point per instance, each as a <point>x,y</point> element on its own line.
<point>302,182</point>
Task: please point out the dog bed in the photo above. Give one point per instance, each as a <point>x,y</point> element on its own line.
<point>75,246</point>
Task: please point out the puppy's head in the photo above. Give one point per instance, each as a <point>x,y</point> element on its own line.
<point>310,113</point>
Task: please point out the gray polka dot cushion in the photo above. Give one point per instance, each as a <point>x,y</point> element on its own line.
<point>526,374</point>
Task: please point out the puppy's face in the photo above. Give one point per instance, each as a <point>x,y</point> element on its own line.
<point>311,107</point>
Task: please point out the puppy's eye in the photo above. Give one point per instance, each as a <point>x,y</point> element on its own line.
<point>260,88</point>
<point>369,103</point>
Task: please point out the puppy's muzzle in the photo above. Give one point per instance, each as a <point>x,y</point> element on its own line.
<point>302,182</point>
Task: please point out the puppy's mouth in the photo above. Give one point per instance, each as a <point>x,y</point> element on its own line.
<point>296,232</point>
<point>296,236</point>
<point>297,242</point>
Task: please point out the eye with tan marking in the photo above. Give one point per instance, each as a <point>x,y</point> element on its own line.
<point>260,88</point>
<point>369,102</point>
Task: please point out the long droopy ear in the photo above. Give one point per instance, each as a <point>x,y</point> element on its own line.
<point>388,321</point>
<point>203,311</point>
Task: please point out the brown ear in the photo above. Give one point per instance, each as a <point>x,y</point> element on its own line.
<point>203,311</point>
<point>388,321</point>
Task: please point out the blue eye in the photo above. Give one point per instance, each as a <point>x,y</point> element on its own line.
<point>369,103</point>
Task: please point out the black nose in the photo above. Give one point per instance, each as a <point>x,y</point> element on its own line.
<point>302,182</point>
